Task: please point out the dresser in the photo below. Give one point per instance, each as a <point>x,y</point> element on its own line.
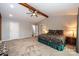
<point>71,40</point>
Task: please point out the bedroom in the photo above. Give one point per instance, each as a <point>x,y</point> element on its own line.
<point>21,28</point>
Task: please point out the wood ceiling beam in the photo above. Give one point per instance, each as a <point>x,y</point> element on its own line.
<point>34,9</point>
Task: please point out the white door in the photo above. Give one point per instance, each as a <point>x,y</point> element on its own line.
<point>14,30</point>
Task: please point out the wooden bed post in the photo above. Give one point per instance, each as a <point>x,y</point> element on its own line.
<point>77,41</point>
<point>0,25</point>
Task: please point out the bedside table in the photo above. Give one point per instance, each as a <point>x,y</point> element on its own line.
<point>71,40</point>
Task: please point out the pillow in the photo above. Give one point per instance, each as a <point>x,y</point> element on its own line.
<point>55,32</point>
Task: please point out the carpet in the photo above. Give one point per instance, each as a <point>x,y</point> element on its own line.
<point>31,47</point>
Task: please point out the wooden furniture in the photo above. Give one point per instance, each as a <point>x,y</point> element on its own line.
<point>71,40</point>
<point>77,41</point>
<point>0,26</point>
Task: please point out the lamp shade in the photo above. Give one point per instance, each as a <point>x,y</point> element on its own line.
<point>44,29</point>
<point>70,31</point>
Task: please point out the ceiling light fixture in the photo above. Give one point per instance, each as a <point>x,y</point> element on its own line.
<point>34,14</point>
<point>12,6</point>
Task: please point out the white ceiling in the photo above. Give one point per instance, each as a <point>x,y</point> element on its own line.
<point>51,9</point>
<point>18,12</point>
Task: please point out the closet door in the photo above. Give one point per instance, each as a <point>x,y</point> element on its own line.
<point>0,26</point>
<point>77,41</point>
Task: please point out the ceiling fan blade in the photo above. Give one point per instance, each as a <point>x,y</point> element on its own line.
<point>36,15</point>
<point>28,13</point>
<point>31,11</point>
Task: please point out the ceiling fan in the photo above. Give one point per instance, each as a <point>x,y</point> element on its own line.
<point>33,10</point>
<point>33,13</point>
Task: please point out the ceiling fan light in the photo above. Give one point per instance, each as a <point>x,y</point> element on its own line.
<point>34,14</point>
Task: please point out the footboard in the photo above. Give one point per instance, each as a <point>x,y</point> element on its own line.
<point>57,46</point>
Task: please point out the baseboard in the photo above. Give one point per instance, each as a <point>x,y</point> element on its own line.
<point>16,39</point>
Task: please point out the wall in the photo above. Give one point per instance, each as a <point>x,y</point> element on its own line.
<point>57,22</point>
<point>25,29</point>
<point>54,23</point>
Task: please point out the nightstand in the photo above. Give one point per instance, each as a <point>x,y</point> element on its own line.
<point>71,40</point>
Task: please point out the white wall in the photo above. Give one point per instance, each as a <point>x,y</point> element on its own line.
<point>57,22</point>
<point>54,23</point>
<point>25,29</point>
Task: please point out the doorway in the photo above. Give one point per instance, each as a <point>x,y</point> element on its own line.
<point>34,30</point>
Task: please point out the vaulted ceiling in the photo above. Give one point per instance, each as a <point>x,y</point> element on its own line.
<point>54,9</point>
<point>18,12</point>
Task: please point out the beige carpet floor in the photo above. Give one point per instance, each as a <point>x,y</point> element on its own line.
<point>31,47</point>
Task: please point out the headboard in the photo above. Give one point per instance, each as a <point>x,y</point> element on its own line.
<point>56,32</point>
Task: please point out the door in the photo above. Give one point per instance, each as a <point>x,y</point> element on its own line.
<point>14,30</point>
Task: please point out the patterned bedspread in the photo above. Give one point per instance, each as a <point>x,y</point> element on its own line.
<point>58,39</point>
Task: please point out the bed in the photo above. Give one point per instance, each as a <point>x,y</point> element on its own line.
<point>54,39</point>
